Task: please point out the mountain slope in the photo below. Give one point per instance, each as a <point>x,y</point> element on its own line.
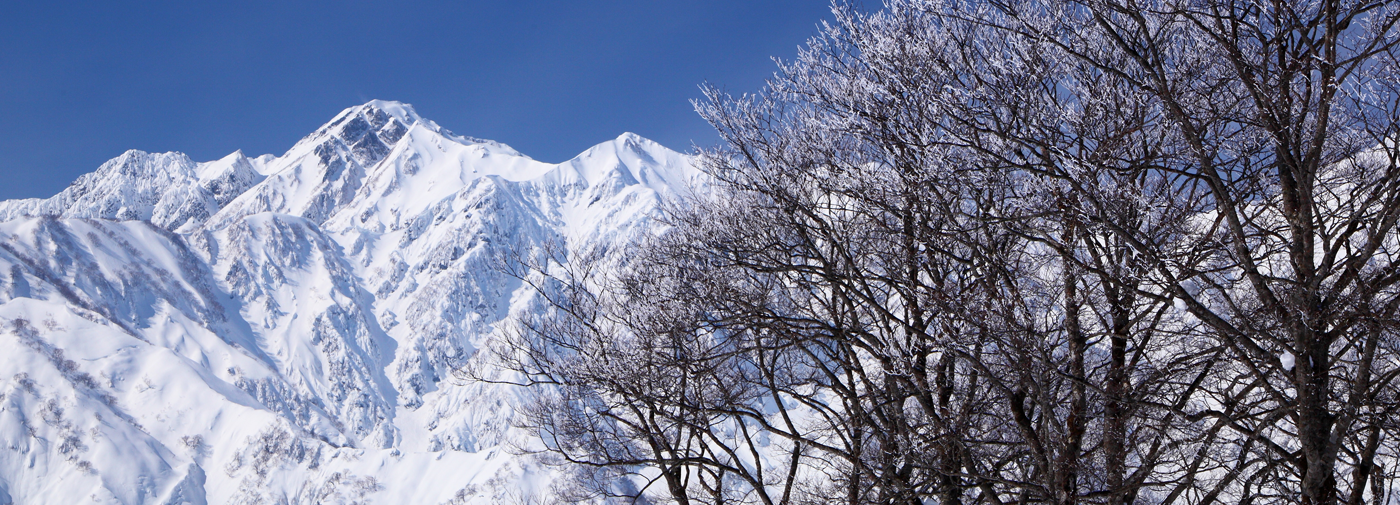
<point>284,328</point>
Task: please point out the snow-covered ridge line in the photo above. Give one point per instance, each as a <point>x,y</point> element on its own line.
<point>284,328</point>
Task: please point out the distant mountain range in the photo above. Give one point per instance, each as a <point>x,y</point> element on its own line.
<point>282,329</point>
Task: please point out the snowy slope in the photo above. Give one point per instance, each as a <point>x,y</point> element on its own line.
<point>284,328</point>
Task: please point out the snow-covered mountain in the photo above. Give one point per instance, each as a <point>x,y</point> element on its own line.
<point>282,329</point>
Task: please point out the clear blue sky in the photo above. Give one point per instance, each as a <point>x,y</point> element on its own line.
<point>84,81</point>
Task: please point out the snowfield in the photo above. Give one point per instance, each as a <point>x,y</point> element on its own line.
<point>283,329</point>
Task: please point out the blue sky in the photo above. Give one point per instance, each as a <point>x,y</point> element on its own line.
<point>85,81</point>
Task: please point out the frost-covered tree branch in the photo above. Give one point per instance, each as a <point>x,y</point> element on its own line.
<point>1096,251</point>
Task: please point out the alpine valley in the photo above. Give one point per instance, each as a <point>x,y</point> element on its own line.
<point>284,329</point>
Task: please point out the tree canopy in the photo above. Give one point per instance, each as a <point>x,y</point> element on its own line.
<point>1091,251</point>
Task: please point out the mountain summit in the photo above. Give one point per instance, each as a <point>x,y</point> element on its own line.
<point>283,329</point>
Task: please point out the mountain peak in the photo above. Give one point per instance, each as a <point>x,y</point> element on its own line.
<point>369,130</point>
<point>398,110</point>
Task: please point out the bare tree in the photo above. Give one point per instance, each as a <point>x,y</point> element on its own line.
<point>633,390</point>
<point>1282,121</point>
<point>1095,251</point>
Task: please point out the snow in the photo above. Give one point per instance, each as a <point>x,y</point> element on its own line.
<point>285,328</point>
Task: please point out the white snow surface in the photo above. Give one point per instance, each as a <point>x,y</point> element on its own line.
<point>283,329</point>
